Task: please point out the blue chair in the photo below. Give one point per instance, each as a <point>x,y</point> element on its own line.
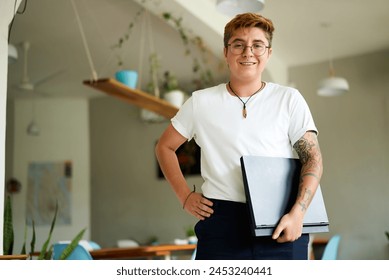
<point>331,250</point>
<point>79,253</point>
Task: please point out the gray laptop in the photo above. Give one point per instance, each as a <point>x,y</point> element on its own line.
<point>271,185</point>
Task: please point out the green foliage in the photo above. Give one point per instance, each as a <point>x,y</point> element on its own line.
<point>203,76</point>
<point>189,40</point>
<point>72,245</point>
<point>33,239</point>
<point>189,231</point>
<point>387,234</point>
<point>46,251</point>
<point>8,231</point>
<point>126,36</point>
<point>24,241</point>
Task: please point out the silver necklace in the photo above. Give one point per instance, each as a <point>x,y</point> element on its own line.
<point>244,110</point>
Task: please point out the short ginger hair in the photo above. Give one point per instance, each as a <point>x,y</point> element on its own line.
<point>248,20</point>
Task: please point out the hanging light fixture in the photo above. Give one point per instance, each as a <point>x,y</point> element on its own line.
<point>12,54</point>
<point>234,7</point>
<point>32,127</point>
<point>332,86</point>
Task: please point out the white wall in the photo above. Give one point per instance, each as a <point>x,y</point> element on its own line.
<point>128,199</point>
<point>64,135</point>
<point>6,14</point>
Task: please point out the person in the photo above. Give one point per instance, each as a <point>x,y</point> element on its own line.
<point>245,116</point>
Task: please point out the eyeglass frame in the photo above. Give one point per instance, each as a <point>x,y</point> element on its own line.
<point>251,48</point>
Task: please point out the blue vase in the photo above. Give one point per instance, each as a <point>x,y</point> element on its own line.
<point>127,77</point>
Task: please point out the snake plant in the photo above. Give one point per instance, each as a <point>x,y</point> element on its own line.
<point>8,231</point>
<point>46,250</point>
<point>71,246</point>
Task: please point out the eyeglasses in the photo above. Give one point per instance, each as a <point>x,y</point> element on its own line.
<point>257,49</point>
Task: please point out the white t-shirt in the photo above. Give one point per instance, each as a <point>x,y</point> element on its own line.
<point>277,117</point>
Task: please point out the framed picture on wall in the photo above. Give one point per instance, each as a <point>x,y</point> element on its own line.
<point>189,159</point>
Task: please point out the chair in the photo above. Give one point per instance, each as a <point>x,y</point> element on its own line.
<point>193,256</point>
<point>331,249</point>
<point>79,253</point>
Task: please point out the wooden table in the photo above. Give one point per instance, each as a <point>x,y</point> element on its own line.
<point>141,252</point>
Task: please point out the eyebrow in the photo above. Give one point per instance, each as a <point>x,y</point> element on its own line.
<point>243,41</point>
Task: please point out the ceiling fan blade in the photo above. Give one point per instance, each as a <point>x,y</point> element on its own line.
<point>49,77</point>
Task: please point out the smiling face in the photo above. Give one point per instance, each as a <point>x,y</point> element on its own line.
<point>247,67</point>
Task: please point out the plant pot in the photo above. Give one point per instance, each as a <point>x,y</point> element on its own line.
<point>175,97</point>
<point>127,77</point>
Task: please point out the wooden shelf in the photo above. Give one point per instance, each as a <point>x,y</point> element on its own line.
<point>134,96</point>
<point>13,257</point>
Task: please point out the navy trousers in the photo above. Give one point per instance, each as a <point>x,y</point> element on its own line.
<point>226,235</point>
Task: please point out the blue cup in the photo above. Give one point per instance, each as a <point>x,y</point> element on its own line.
<point>127,77</point>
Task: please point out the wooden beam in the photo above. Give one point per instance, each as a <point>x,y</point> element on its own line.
<point>134,96</point>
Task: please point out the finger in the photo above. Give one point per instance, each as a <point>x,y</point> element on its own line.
<point>203,213</point>
<point>206,202</point>
<point>277,232</point>
<point>205,209</point>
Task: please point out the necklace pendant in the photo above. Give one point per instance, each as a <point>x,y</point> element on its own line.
<point>244,112</point>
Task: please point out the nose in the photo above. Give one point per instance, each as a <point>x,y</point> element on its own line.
<point>248,51</point>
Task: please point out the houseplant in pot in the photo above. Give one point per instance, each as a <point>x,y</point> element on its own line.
<point>172,93</point>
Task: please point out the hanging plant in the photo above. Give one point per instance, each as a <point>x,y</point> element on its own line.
<point>199,67</point>
<point>125,37</point>
<point>203,76</point>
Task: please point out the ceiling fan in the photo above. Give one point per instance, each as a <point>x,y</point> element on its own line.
<point>25,83</point>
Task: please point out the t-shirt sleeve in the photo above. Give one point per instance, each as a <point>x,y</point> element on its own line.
<point>301,119</point>
<point>183,120</point>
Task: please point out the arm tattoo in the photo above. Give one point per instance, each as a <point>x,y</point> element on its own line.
<point>307,147</point>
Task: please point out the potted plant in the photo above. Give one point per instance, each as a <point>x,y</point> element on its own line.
<point>126,76</point>
<point>191,235</point>
<point>172,93</point>
<point>202,74</point>
<point>46,250</point>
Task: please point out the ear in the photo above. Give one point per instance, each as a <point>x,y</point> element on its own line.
<point>225,50</point>
<point>270,52</point>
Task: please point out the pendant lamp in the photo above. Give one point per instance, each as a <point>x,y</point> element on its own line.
<point>234,7</point>
<point>333,85</point>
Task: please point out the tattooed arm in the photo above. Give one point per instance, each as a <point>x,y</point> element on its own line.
<point>290,226</point>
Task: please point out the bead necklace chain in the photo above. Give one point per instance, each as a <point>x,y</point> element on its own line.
<point>244,111</point>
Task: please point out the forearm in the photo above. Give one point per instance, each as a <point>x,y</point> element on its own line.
<point>309,153</point>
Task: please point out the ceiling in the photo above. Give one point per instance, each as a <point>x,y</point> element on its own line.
<point>57,50</point>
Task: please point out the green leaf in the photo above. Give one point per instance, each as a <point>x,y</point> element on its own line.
<point>33,238</point>
<point>46,244</point>
<point>72,245</point>
<point>23,251</point>
<point>387,234</point>
<point>8,231</point>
